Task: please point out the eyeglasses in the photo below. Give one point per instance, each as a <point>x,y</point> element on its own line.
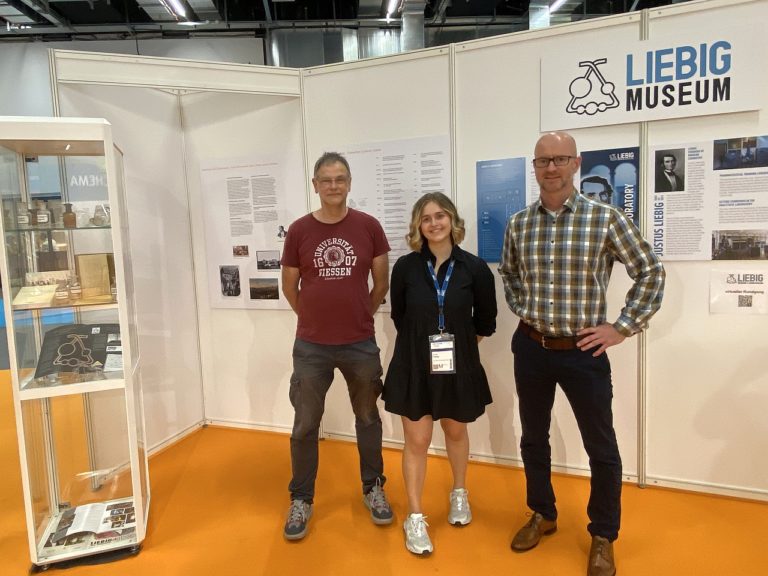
<point>327,182</point>
<point>543,162</point>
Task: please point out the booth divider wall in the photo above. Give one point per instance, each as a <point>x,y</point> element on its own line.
<point>145,122</point>
<point>707,378</point>
<point>246,353</point>
<point>497,116</point>
<point>695,380</point>
<point>384,99</point>
<point>169,114</point>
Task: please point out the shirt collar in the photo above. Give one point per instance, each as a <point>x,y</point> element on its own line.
<point>570,203</point>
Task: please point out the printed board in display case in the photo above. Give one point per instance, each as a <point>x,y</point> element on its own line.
<point>72,337</point>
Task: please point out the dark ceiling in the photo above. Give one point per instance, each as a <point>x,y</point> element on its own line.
<point>82,19</point>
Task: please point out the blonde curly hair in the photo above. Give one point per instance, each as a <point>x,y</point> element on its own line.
<point>414,237</point>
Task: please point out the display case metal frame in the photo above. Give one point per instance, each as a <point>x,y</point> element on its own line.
<point>82,441</point>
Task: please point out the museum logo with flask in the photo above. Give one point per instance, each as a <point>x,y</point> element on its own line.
<point>679,76</point>
<point>651,81</point>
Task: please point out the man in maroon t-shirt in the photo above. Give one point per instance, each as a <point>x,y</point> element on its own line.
<point>327,259</point>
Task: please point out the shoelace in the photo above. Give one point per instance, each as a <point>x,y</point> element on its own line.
<point>459,500</point>
<point>533,520</point>
<point>598,557</point>
<point>298,513</point>
<point>378,500</point>
<point>418,526</point>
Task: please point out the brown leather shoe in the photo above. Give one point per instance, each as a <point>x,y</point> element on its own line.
<point>601,558</point>
<point>530,534</point>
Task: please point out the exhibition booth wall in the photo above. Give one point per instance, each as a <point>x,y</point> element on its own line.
<point>688,392</point>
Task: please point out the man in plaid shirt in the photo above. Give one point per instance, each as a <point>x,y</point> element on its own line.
<point>556,264</point>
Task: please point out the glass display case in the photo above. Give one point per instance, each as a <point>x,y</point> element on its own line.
<point>72,337</point>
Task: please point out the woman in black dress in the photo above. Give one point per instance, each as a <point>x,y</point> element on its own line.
<point>436,374</point>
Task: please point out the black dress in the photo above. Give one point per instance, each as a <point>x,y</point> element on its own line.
<point>470,310</point>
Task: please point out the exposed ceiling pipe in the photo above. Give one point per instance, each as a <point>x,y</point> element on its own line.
<point>370,8</point>
<point>154,10</point>
<point>267,13</point>
<point>205,10</point>
<point>46,12</point>
<point>440,9</point>
<point>412,36</point>
<point>13,15</point>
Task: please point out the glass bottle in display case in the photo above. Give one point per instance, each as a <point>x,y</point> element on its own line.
<point>73,348</point>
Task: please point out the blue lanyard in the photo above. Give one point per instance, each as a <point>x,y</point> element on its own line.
<point>440,292</point>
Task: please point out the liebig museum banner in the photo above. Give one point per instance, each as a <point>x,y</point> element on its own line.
<point>707,73</point>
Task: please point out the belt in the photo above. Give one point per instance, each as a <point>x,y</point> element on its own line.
<point>549,342</point>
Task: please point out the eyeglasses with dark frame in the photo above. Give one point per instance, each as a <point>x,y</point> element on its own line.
<point>543,161</point>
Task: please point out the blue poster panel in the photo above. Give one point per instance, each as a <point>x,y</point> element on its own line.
<point>500,193</point>
<point>611,176</point>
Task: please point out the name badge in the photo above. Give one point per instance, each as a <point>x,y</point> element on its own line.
<point>442,354</point>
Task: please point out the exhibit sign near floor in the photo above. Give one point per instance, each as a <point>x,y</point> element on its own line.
<point>738,291</point>
<point>701,74</point>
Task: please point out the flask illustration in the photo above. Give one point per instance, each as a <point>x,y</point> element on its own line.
<point>591,93</point>
<point>73,353</point>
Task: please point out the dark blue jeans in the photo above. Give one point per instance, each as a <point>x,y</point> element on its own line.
<point>586,382</point>
<point>313,367</point>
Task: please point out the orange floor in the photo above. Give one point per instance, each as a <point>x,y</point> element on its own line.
<point>219,499</point>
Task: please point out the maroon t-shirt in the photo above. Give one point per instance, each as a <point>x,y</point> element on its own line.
<point>334,262</point>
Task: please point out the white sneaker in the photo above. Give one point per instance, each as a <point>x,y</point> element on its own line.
<point>416,536</point>
<point>460,514</point>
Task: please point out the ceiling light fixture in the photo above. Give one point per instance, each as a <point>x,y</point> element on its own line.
<point>391,7</point>
<point>556,6</point>
<point>175,8</point>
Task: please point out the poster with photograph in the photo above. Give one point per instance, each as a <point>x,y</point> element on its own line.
<point>612,176</point>
<point>709,200</point>
<point>249,205</point>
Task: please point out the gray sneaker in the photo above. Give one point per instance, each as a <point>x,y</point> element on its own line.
<point>460,514</point>
<point>298,516</point>
<point>376,502</point>
<point>416,536</point>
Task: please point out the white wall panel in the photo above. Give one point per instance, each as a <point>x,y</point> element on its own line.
<point>370,101</point>
<point>246,353</point>
<point>122,70</point>
<point>708,383</point>
<point>26,86</point>
<point>497,116</point>
<point>145,125</point>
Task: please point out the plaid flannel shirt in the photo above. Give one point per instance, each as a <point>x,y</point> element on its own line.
<point>556,269</point>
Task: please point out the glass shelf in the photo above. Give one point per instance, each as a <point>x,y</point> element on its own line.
<point>54,228</point>
<point>106,302</point>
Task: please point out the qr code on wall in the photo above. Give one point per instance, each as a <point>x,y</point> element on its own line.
<point>745,301</point>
